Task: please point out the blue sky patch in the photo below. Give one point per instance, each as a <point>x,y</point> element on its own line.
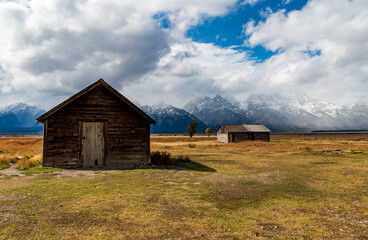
<point>226,31</point>
<point>313,53</point>
<point>162,19</point>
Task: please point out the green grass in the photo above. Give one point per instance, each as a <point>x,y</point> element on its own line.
<point>277,190</point>
<point>3,166</point>
<point>37,170</point>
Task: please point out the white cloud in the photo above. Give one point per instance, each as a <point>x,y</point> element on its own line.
<point>195,69</point>
<point>251,2</point>
<point>265,12</point>
<point>57,47</point>
<point>338,74</point>
<point>51,49</point>
<point>338,29</point>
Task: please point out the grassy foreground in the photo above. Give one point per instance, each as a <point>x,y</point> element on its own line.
<point>290,188</point>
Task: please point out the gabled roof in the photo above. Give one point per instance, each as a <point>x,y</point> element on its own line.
<point>244,128</point>
<point>88,89</point>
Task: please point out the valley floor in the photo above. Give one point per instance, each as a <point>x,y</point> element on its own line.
<point>295,187</point>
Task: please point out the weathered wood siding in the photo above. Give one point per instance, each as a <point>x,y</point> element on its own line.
<point>242,137</point>
<point>126,132</point>
<point>262,136</point>
<point>222,137</point>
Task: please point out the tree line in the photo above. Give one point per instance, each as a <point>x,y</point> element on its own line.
<point>192,128</point>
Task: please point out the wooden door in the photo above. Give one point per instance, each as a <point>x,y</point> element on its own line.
<point>93,144</point>
<point>231,137</point>
<point>252,136</point>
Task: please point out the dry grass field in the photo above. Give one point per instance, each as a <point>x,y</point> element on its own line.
<point>294,187</point>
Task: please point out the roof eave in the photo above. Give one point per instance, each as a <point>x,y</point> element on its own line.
<point>55,109</point>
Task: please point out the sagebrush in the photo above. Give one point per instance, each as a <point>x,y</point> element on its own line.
<point>29,162</point>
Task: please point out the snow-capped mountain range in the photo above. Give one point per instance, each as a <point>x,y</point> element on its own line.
<point>302,113</point>
<point>218,111</point>
<point>279,113</point>
<point>170,119</point>
<point>19,116</point>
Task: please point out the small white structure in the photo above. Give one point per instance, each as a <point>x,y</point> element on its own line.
<point>243,133</point>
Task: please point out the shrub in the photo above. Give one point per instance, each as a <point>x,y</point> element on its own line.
<point>36,161</point>
<point>161,158</point>
<point>4,164</point>
<point>5,160</point>
<point>15,159</point>
<point>164,158</point>
<point>29,162</point>
<point>192,145</point>
<point>181,158</point>
<point>23,164</point>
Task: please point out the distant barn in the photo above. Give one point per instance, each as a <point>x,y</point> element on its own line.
<point>243,133</point>
<point>96,127</point>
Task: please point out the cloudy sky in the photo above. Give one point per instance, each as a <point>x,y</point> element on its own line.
<point>173,50</point>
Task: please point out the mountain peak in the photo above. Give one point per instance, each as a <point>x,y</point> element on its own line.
<point>170,119</point>
<point>217,111</point>
<point>217,102</point>
<point>20,115</point>
<point>21,107</point>
<point>14,106</point>
<point>303,98</point>
<point>218,97</point>
<point>161,105</point>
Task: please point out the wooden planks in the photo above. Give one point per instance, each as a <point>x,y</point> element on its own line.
<point>126,133</point>
<point>44,152</point>
<point>243,137</point>
<point>93,144</point>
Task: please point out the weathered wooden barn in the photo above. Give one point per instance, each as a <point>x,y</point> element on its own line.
<point>96,127</point>
<point>243,133</point>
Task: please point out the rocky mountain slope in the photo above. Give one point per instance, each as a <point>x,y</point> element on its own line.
<point>279,113</point>
<point>302,113</point>
<point>19,116</point>
<point>170,119</point>
<point>218,111</point>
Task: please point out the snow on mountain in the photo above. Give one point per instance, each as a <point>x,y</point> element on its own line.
<point>278,112</point>
<point>19,115</point>
<point>217,111</point>
<point>215,103</point>
<point>300,112</point>
<point>170,119</point>
<point>20,108</point>
<point>315,107</point>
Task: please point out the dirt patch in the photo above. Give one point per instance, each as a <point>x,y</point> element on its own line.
<point>7,197</point>
<point>266,178</point>
<point>6,215</point>
<point>7,208</point>
<point>84,173</point>
<point>10,171</point>
<point>68,173</point>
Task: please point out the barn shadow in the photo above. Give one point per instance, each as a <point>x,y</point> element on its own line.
<point>188,165</point>
<point>179,165</point>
